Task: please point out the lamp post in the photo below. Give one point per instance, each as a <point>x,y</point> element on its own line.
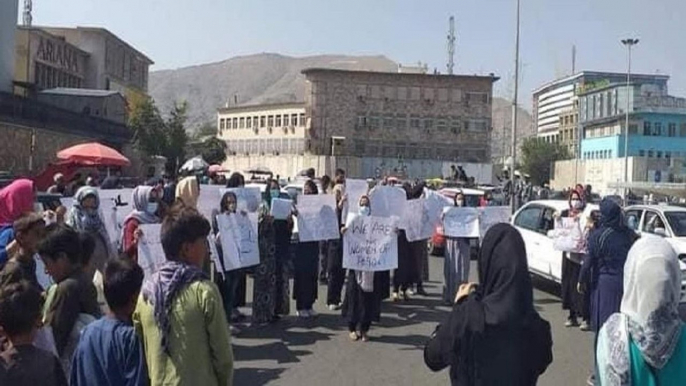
<point>514,114</point>
<point>629,43</point>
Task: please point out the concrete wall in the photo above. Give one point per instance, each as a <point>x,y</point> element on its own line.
<point>111,107</point>
<point>8,27</point>
<point>288,165</point>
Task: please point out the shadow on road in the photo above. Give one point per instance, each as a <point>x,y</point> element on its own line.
<point>255,376</point>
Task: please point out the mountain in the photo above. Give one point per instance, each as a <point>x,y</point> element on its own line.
<point>253,79</point>
<point>502,128</point>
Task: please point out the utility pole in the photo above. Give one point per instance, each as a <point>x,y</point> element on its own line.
<point>573,59</point>
<point>514,114</point>
<point>629,43</point>
<point>451,45</point>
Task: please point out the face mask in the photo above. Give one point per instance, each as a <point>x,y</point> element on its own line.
<point>275,193</point>
<point>152,207</point>
<point>576,204</point>
<point>365,211</point>
<point>459,203</point>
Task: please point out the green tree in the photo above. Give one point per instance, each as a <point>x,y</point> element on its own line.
<point>207,129</point>
<point>213,150</point>
<point>538,157</point>
<point>176,136</point>
<point>148,127</point>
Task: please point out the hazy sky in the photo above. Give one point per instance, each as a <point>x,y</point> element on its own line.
<point>176,33</point>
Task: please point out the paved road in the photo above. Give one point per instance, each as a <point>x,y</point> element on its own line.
<point>319,352</point>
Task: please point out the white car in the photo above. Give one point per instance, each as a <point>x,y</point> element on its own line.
<point>533,221</point>
<point>662,221</point>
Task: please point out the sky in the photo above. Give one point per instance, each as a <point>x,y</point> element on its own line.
<point>179,33</point>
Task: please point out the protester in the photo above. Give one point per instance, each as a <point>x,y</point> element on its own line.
<point>113,181</point>
<point>457,259</point>
<point>229,280</point>
<point>324,245</point>
<point>179,314</point>
<point>145,208</point>
<point>363,294</point>
<point>572,300</point>
<point>188,192</point>
<point>486,199</point>
<point>29,230</point>
<point>59,187</point>
<point>645,343</point>
<point>109,351</point>
<point>16,199</point>
<point>334,265</point>
<point>283,232</point>
<point>22,363</point>
<point>407,273</point>
<point>236,180</point>
<point>270,290</point>
<point>309,173</point>
<point>326,184</point>
<point>493,335</point>
<point>169,190</point>
<point>76,183</point>
<point>84,216</point>
<point>306,264</point>
<point>72,302</point>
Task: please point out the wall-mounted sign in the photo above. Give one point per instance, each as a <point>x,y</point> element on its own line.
<point>58,54</point>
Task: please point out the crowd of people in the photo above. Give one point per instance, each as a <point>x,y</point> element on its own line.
<point>96,320</point>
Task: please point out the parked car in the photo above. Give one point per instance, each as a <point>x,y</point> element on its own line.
<point>436,244</point>
<point>662,221</point>
<point>533,221</point>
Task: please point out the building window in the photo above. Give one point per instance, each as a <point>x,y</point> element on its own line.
<point>668,154</point>
<point>401,121</point>
<point>278,121</point>
<point>608,103</point>
<point>672,129</point>
<point>241,123</point>
<point>647,128</point>
<point>414,121</point>
<point>455,125</point>
<point>263,121</point>
<point>641,153</point>
<point>285,120</point>
<point>478,97</point>
<point>388,122</point>
<point>294,119</point>
<point>248,122</point>
<point>659,154</point>
<point>682,130</point>
<point>651,154</point>
<point>270,121</point>
<point>373,123</point>
<point>633,128</point>
<point>415,93</point>
<point>442,123</point>
<point>402,93</point>
<point>235,123</point>
<point>657,129</point>
<point>221,124</point>
<point>302,119</point>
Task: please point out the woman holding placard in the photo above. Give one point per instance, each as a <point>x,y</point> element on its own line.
<point>456,264</point>
<point>145,207</point>
<point>306,264</point>
<point>572,300</point>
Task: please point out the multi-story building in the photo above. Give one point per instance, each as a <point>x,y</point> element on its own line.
<point>375,118</point>
<point>93,58</point>
<point>8,27</point>
<point>552,99</point>
<point>657,122</point>
<point>569,130</point>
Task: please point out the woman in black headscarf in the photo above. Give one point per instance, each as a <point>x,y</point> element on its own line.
<point>494,336</point>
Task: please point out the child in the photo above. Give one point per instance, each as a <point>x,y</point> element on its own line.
<point>180,315</point>
<point>109,352</point>
<point>72,302</point>
<point>23,363</point>
<point>28,230</point>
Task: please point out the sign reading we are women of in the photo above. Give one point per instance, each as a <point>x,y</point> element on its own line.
<point>370,244</point>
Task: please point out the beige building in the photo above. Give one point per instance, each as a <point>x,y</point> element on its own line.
<point>569,131</point>
<point>263,129</point>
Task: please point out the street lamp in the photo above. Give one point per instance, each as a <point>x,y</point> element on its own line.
<point>629,43</point>
<point>514,114</point>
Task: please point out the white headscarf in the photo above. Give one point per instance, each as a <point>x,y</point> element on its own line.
<point>648,315</point>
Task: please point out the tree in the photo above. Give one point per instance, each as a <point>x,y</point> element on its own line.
<point>538,157</point>
<point>213,150</point>
<point>176,136</point>
<point>148,127</point>
<point>205,130</point>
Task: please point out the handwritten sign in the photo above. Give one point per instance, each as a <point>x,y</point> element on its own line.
<point>239,240</point>
<point>461,222</point>
<point>317,219</point>
<point>281,208</point>
<point>109,218</point>
<point>370,244</point>
<point>567,235</point>
<point>120,199</point>
<point>209,199</point>
<point>416,220</point>
<point>150,253</point>
<point>387,201</point>
<point>354,189</point>
<point>247,199</point>
<point>491,215</point>
<point>214,255</point>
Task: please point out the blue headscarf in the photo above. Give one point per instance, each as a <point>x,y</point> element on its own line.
<point>611,214</point>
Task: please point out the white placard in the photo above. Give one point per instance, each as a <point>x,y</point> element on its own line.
<point>247,199</point>
<point>43,278</point>
<point>121,199</point>
<point>150,253</point>
<point>568,235</point>
<point>108,215</point>
<point>461,222</point>
<point>214,255</point>
<point>239,239</point>
<point>416,220</point>
<point>317,219</point>
<point>67,202</point>
<point>491,215</point>
<point>354,189</point>
<point>370,244</point>
<point>388,201</point>
<point>281,208</point>
<point>209,199</point>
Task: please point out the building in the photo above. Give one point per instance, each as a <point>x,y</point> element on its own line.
<point>92,58</point>
<point>551,99</point>
<point>109,105</point>
<point>569,130</point>
<point>8,26</point>
<point>377,122</point>
<point>657,122</point>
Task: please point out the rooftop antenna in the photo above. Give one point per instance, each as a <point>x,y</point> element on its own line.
<point>573,59</point>
<point>27,19</point>
<point>451,45</point>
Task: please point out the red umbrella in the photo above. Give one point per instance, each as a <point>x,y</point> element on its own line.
<point>215,168</point>
<point>93,153</point>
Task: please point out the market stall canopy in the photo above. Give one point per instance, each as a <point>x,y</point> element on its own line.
<point>93,153</point>
<point>194,164</point>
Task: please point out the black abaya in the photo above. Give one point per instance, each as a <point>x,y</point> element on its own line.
<point>572,300</point>
<point>306,264</point>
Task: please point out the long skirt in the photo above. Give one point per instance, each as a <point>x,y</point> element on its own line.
<point>407,272</point>
<point>361,308</point>
<point>227,289</point>
<point>336,273</point>
<point>572,300</point>
<point>606,298</point>
<point>455,267</point>
<point>422,260</point>
<point>270,287</point>
<point>241,288</point>
<point>323,259</point>
<point>306,264</point>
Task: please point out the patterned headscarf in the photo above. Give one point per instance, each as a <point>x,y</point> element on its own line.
<point>82,219</point>
<point>15,200</point>
<point>161,289</point>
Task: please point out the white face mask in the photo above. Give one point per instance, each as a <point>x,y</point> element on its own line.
<point>576,204</point>
<point>364,210</point>
<point>459,203</point>
<point>152,207</point>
